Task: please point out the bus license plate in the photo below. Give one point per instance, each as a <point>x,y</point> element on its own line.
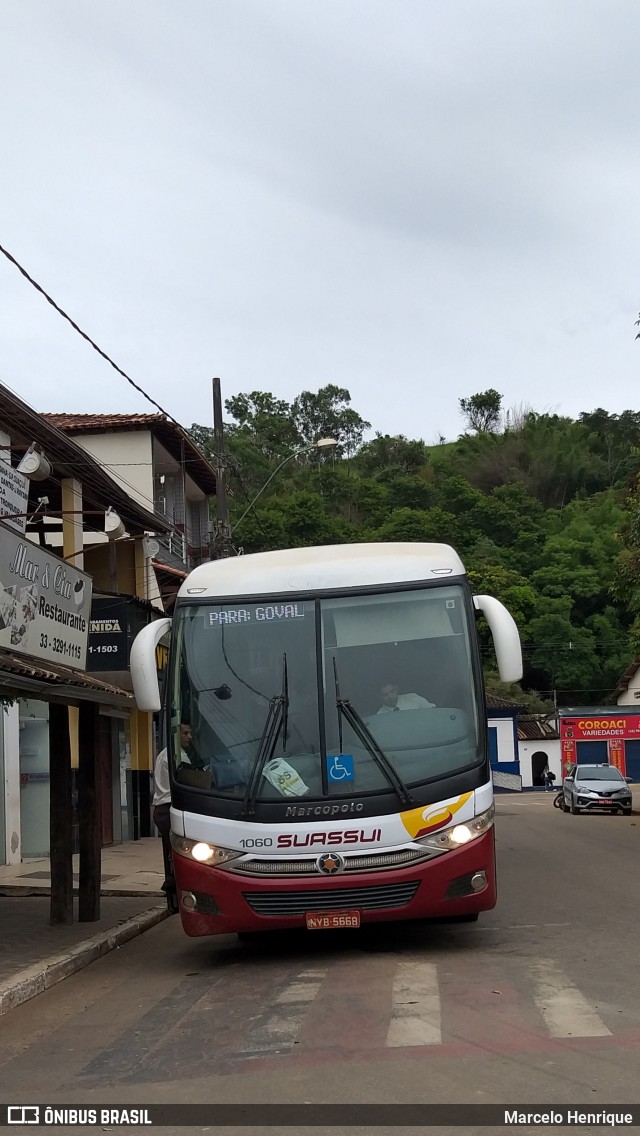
<point>326,920</point>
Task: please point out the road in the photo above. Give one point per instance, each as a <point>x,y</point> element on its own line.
<point>539,1001</point>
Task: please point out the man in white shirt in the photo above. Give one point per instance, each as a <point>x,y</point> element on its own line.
<point>162,798</point>
<point>392,700</point>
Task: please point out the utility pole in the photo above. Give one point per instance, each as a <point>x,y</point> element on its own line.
<point>221,545</point>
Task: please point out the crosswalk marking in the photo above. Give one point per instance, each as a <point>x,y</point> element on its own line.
<point>422,1004</point>
<point>278,1027</point>
<point>420,1012</point>
<point>303,988</point>
<point>565,1010</point>
<point>416,1014</point>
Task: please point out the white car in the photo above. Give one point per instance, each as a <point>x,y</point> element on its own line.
<point>592,788</point>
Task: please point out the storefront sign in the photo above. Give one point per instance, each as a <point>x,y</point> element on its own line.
<point>596,726</point>
<point>113,625</point>
<point>616,754</point>
<point>108,648</point>
<point>568,755</point>
<point>44,603</point>
<point>615,729</point>
<point>14,496</point>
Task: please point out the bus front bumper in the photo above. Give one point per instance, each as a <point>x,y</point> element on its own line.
<point>217,902</point>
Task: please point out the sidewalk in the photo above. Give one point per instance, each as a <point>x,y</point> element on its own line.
<point>34,955</point>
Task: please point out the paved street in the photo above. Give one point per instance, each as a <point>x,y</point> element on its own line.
<point>539,1001</point>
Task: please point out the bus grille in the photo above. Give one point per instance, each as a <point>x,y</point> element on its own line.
<point>370,862</point>
<point>297,902</point>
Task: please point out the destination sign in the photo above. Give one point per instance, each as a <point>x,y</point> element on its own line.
<point>269,613</point>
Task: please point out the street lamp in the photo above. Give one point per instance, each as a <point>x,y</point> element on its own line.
<point>113,526</point>
<point>322,445</point>
<point>34,464</point>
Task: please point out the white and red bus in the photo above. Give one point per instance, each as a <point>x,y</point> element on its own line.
<point>339,769</point>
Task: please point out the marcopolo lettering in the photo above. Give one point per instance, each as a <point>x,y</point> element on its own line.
<point>323,810</point>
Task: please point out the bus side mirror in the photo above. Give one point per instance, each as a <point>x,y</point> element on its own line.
<point>506,638</point>
<point>142,661</point>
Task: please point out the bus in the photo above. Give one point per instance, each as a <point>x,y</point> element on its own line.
<point>338,772</point>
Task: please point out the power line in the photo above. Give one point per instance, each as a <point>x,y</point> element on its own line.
<point>88,338</point>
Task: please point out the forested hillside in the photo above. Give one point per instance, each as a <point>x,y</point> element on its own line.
<point>543,510</point>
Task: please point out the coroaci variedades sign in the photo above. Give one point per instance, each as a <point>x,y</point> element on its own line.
<point>45,603</point>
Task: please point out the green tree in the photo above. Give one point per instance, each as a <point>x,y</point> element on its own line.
<point>267,422</point>
<point>328,414</point>
<point>529,700</point>
<point>482,411</point>
<point>512,589</point>
<point>396,453</point>
<point>420,525</point>
<point>536,512</point>
<point>626,583</point>
<point>616,439</point>
<point>564,653</point>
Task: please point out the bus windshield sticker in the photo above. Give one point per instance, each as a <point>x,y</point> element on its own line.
<point>284,778</point>
<point>340,767</point>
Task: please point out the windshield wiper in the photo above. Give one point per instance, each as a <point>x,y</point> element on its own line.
<point>361,730</point>
<point>275,723</point>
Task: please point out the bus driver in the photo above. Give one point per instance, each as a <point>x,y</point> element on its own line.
<point>392,700</point>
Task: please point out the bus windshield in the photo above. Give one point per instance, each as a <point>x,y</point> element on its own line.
<point>324,698</point>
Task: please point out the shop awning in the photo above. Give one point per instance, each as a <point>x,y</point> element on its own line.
<point>21,677</point>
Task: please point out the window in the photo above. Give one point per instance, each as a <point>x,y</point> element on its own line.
<point>393,674</point>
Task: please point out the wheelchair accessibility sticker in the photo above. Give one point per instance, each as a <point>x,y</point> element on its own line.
<point>340,767</point>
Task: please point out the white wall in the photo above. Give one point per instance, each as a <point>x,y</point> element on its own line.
<point>126,457</point>
<point>550,746</point>
<point>504,737</point>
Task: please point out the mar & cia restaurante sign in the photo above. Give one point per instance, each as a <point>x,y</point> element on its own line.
<point>44,603</point>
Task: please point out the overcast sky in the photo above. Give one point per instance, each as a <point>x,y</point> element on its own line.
<point>413,199</point>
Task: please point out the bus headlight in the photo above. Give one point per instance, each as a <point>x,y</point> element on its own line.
<point>202,852</point>
<point>460,834</point>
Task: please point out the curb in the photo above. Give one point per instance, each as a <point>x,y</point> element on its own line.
<point>8,890</point>
<point>42,975</point>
